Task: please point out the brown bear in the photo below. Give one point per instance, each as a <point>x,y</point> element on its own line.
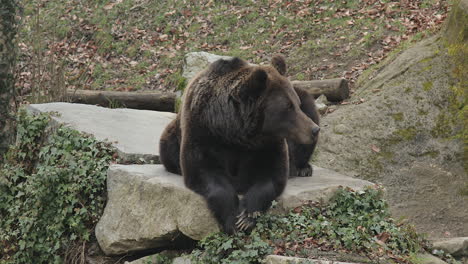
<point>232,137</point>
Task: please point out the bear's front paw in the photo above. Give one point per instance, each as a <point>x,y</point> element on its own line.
<point>246,221</point>
<point>305,171</point>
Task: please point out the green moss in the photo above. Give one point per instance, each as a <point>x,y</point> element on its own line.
<point>456,37</point>
<point>427,86</point>
<point>421,112</point>
<point>416,259</point>
<point>427,68</point>
<point>373,167</point>
<point>408,90</point>
<point>398,117</point>
<point>388,105</point>
<point>464,190</point>
<point>388,155</point>
<point>443,126</point>
<point>433,154</point>
<point>406,133</point>
<point>418,98</point>
<point>426,60</point>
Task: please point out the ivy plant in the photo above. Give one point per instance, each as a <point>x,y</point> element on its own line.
<point>52,191</point>
<point>352,221</point>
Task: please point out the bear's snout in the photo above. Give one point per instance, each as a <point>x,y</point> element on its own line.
<point>315,131</point>
<point>306,131</point>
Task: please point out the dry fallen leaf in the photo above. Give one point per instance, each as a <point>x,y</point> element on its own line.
<point>375,148</point>
<point>109,6</point>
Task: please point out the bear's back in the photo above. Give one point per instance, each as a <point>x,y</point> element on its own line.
<point>211,101</point>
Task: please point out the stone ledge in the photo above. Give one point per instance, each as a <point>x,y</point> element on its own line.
<point>149,207</point>
<point>135,133</point>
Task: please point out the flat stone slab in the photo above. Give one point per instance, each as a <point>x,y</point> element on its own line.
<point>153,259</point>
<point>321,186</point>
<point>276,259</point>
<point>270,259</point>
<point>149,207</point>
<point>456,246</point>
<point>135,133</point>
<point>197,61</point>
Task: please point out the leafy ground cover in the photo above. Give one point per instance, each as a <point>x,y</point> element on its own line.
<point>352,222</point>
<point>52,193</point>
<point>355,226</point>
<point>139,44</point>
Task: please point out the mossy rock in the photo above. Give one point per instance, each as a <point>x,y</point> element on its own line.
<point>408,129</point>
<point>456,30</point>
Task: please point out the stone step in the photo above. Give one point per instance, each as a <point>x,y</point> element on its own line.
<point>270,259</point>
<point>149,207</point>
<point>455,246</point>
<point>135,133</point>
<point>276,259</point>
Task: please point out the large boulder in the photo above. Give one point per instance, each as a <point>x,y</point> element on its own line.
<point>197,61</point>
<point>270,259</point>
<point>134,133</point>
<point>276,259</point>
<point>457,246</point>
<point>426,258</point>
<point>149,207</point>
<point>403,128</point>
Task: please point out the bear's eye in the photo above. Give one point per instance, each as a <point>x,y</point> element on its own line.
<point>290,106</point>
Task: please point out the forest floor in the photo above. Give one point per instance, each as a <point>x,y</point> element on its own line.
<point>131,45</point>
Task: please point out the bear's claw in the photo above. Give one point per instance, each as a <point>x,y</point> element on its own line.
<point>305,172</point>
<point>246,221</point>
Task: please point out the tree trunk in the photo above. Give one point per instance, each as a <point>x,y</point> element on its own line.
<point>334,89</point>
<point>8,29</point>
<point>148,100</point>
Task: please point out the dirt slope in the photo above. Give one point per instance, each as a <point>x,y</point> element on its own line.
<point>405,130</point>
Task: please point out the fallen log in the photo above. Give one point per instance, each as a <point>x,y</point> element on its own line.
<point>158,101</point>
<point>334,89</point>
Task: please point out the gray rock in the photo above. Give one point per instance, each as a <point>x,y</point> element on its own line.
<point>181,260</point>
<point>322,104</point>
<point>135,133</point>
<point>197,61</point>
<point>457,246</point>
<point>148,207</point>
<point>396,133</point>
<point>426,258</point>
<point>144,260</point>
<point>153,260</point>
<point>342,129</point>
<point>321,186</point>
<point>275,259</point>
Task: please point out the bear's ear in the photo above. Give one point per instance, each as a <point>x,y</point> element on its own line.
<point>255,84</point>
<point>279,63</point>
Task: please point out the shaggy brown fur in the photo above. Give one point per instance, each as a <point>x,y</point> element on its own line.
<point>232,133</point>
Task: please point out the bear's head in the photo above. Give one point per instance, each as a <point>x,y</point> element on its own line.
<point>279,103</point>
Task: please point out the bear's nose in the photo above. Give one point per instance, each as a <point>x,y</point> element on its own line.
<point>315,130</point>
